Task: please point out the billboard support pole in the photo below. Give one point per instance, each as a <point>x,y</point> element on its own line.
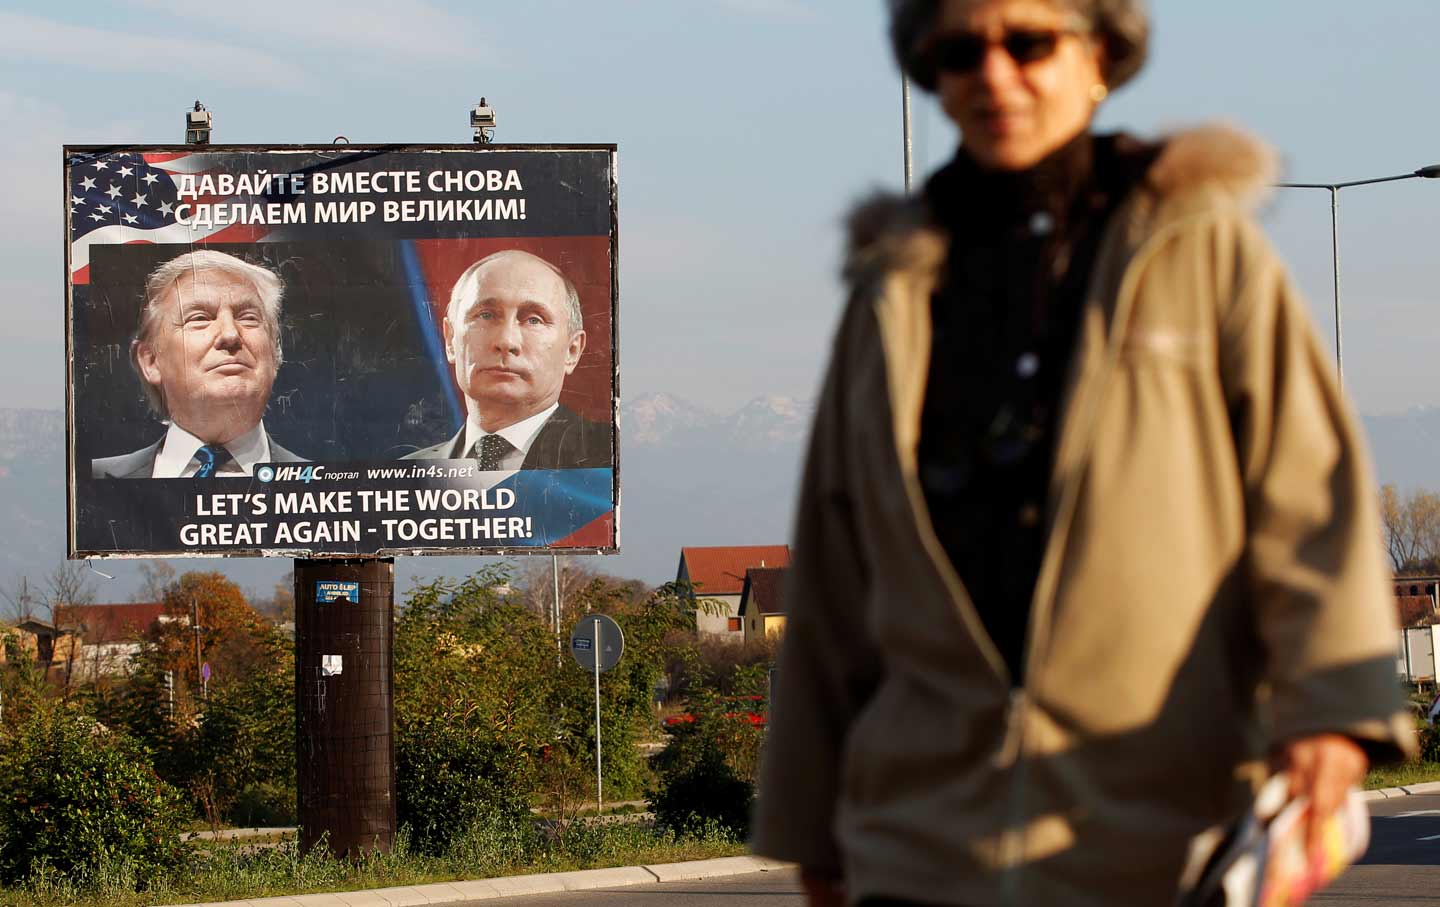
<point>344,698</point>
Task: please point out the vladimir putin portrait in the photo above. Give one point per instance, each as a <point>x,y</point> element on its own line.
<point>206,352</point>
<point>513,333</point>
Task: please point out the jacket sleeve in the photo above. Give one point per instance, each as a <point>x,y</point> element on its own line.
<point>826,669</point>
<point>1314,560</point>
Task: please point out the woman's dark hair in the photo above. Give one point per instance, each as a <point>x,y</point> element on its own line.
<point>1123,27</point>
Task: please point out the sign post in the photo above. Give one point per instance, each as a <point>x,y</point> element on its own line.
<point>596,644</point>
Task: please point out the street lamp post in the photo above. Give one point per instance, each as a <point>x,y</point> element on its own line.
<point>1430,172</point>
<point>905,131</point>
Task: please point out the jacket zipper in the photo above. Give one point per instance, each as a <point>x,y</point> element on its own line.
<point>1038,631</point>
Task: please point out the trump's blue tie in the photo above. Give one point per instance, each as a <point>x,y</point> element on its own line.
<point>211,457</point>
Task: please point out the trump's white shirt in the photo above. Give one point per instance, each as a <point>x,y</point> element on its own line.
<point>176,457</point>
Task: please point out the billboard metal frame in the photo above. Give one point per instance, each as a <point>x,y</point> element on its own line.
<point>349,153</point>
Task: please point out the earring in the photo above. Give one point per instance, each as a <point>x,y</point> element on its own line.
<point>1098,92</point>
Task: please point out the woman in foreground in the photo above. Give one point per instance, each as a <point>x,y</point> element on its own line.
<point>1088,539</point>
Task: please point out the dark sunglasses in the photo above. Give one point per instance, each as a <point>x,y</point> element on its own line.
<point>963,53</point>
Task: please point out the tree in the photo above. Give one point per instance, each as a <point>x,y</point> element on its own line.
<point>473,714</point>
<point>245,737</point>
<point>239,744</point>
<point>1412,530</point>
<point>67,586</point>
<point>155,578</point>
<point>233,638</point>
<point>535,585</point>
<point>474,662</point>
<point>649,623</point>
<point>22,598</point>
<point>280,605</point>
<point>22,683</point>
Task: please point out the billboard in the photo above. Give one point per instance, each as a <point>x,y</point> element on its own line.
<point>340,350</point>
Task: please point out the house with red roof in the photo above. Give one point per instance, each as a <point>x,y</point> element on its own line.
<point>110,635</point>
<point>717,573</point>
<point>762,603</point>
<point>1417,602</point>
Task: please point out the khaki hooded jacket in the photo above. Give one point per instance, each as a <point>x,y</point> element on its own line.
<point>1213,580</point>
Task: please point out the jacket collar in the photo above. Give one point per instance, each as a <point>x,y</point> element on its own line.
<point>890,232</point>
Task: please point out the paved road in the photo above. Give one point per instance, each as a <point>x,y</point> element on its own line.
<point>756,889</point>
<point>1403,864</point>
<point>1402,868</point>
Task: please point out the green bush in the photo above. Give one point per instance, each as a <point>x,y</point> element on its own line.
<point>244,739</point>
<point>699,791</point>
<point>449,776</point>
<point>1429,744</point>
<point>80,801</point>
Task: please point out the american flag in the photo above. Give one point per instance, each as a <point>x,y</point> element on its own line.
<point>123,197</point>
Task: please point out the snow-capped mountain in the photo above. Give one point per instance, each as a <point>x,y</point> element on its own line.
<point>662,420</point>
<point>768,423</point>
<point>656,419</point>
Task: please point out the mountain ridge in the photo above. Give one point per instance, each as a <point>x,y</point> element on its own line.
<point>690,476</point>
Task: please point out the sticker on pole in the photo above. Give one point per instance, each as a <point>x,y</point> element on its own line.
<point>597,638</point>
<point>328,591</point>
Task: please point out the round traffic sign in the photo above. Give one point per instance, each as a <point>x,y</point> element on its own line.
<point>596,637</point>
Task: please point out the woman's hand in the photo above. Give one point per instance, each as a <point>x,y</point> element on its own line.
<point>1322,767</point>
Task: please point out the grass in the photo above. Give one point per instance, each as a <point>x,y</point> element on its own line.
<point>234,871</point>
<point>1403,774</point>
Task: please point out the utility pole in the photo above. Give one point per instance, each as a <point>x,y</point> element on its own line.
<point>195,628</point>
<point>555,611</point>
<point>905,129</point>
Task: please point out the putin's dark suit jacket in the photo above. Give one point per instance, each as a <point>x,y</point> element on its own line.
<point>140,463</point>
<point>566,441</point>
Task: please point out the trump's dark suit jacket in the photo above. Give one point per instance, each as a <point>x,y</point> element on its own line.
<point>138,464</point>
<point>566,441</point>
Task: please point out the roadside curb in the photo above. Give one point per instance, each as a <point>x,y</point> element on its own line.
<point>1386,793</point>
<point>514,886</point>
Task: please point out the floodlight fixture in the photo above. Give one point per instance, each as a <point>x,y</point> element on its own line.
<point>197,125</point>
<point>482,122</point>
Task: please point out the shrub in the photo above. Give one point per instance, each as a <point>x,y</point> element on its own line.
<point>80,800</point>
<point>699,791</point>
<point>244,739</point>
<point>1430,744</point>
<point>449,776</point>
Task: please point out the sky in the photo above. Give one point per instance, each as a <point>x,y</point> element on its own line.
<point>746,128</point>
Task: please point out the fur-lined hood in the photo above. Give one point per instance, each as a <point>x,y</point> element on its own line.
<point>900,231</point>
